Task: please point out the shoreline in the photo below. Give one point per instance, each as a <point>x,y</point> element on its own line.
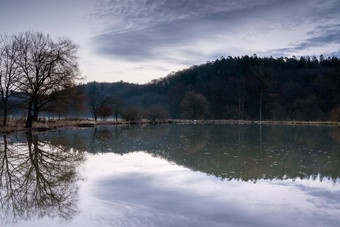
<point>78,124</point>
<point>266,122</point>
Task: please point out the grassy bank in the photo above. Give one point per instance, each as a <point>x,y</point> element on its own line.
<point>15,126</point>
<point>267,122</point>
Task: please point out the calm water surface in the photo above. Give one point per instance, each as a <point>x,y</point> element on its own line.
<point>172,175</point>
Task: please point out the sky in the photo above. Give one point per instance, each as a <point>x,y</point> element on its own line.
<point>140,40</point>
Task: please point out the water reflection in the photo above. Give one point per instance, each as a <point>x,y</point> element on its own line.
<point>226,151</point>
<point>296,170</point>
<point>137,189</point>
<point>37,179</point>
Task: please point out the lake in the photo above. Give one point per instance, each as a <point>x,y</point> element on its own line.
<point>172,175</point>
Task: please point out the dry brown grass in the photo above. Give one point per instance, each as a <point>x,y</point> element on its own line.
<point>18,125</point>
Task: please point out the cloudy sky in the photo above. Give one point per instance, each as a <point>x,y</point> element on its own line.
<point>140,40</point>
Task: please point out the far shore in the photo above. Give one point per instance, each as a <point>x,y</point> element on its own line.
<point>18,126</point>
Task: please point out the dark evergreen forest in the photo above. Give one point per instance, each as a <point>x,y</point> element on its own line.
<point>248,87</point>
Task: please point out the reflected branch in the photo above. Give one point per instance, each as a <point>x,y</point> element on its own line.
<point>38,179</point>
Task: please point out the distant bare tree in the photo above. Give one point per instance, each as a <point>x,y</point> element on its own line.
<point>263,77</point>
<point>241,97</point>
<point>70,102</point>
<point>46,66</point>
<point>131,113</point>
<point>8,72</point>
<point>104,112</point>
<point>117,106</point>
<point>335,114</point>
<point>156,112</point>
<point>96,99</point>
<point>194,105</point>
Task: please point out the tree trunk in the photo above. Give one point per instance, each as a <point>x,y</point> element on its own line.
<point>241,106</point>
<point>35,111</point>
<point>261,106</point>
<point>29,116</point>
<point>5,144</point>
<point>5,113</point>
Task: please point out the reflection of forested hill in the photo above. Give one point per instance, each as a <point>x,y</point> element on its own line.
<point>245,152</point>
<point>291,88</point>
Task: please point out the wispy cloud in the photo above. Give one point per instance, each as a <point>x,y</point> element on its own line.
<point>169,30</point>
<point>327,37</point>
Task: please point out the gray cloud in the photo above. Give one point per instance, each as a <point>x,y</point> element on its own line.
<point>330,36</point>
<point>160,41</point>
<point>141,13</point>
<point>334,53</point>
<point>173,30</point>
<point>327,34</point>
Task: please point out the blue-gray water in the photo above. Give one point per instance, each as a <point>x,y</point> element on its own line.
<point>172,175</point>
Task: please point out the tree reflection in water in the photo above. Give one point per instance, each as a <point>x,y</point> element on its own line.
<point>37,179</point>
<point>232,152</point>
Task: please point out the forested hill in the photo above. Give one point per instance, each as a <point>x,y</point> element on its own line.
<point>242,88</point>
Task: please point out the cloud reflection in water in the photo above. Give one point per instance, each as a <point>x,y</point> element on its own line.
<point>137,189</point>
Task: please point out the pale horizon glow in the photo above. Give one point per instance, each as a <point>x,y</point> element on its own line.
<point>138,41</point>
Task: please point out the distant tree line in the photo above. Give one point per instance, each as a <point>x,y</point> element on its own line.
<point>248,87</point>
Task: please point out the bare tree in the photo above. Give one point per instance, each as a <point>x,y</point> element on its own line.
<point>69,102</point>
<point>8,72</point>
<point>156,112</point>
<point>117,106</point>
<point>194,106</point>
<point>241,97</point>
<point>131,113</point>
<point>96,99</point>
<point>104,112</point>
<point>46,66</point>
<point>263,76</point>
